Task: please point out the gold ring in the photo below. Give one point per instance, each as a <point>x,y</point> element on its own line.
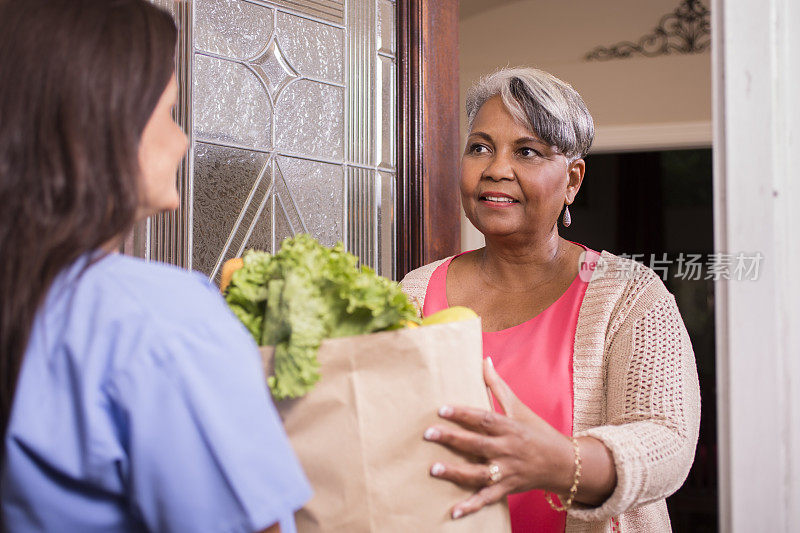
<point>494,473</point>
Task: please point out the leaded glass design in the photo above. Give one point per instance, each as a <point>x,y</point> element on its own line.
<point>291,114</point>
<point>225,181</point>
<point>309,120</point>
<point>232,28</point>
<point>230,105</point>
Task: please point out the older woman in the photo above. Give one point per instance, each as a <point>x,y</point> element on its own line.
<point>587,355</point>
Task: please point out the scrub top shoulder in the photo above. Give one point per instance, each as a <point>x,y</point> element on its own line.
<point>141,404</point>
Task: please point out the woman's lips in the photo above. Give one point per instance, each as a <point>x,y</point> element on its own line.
<point>500,200</point>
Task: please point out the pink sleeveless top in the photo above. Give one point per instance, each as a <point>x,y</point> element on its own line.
<point>535,359</point>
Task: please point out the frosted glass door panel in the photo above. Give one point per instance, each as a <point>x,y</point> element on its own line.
<point>316,49</point>
<point>322,198</point>
<point>227,184</point>
<point>232,28</point>
<point>230,104</point>
<point>309,120</point>
<point>292,108</point>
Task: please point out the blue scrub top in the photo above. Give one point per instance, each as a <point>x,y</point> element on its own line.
<point>142,404</point>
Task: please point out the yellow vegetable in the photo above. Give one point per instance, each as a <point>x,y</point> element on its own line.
<point>403,324</point>
<point>228,268</point>
<point>451,314</point>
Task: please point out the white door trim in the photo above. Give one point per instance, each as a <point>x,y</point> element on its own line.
<point>756,76</point>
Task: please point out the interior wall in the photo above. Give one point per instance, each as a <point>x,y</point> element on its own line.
<point>665,101</point>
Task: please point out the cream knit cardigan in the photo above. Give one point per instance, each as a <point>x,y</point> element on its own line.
<point>635,389</point>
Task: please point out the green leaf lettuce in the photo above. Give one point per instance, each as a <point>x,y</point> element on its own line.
<point>306,293</point>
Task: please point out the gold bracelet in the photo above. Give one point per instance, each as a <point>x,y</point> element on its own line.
<point>573,490</point>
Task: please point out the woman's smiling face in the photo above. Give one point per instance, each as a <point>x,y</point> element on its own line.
<point>512,182</point>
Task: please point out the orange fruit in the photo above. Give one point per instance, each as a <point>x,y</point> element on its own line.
<point>228,268</point>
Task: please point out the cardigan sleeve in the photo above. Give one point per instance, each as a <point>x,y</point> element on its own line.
<point>652,406</point>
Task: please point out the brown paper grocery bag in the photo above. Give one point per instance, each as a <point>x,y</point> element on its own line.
<point>358,433</point>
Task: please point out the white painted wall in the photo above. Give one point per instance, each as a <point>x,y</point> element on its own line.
<point>757,141</point>
<point>555,34</point>
<point>637,103</point>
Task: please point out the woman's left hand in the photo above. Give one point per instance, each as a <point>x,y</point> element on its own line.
<point>523,450</point>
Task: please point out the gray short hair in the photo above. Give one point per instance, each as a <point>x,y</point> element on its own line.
<point>541,102</point>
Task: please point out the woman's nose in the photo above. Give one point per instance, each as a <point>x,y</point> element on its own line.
<point>499,168</point>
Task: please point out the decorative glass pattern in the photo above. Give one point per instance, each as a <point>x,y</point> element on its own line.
<point>223,180</point>
<point>283,225</point>
<point>385,88</point>
<point>273,69</point>
<point>309,118</point>
<point>314,48</point>
<point>274,216</point>
<point>387,238</point>
<point>362,212</point>
<point>328,10</point>
<point>290,106</point>
<point>231,28</point>
<point>361,57</point>
<point>386,25</point>
<point>318,191</point>
<point>230,105</point>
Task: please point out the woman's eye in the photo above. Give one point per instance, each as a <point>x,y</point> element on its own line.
<point>478,149</point>
<point>528,152</point>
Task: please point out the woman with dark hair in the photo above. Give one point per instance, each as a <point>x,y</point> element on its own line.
<point>593,370</point>
<point>130,396</point>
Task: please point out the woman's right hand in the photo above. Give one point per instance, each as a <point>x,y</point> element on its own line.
<point>527,452</point>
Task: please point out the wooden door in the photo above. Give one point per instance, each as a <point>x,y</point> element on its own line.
<point>428,138</point>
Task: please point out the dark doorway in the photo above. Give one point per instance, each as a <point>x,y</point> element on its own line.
<point>657,208</point>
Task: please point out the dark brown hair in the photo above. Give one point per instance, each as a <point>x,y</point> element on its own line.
<point>80,79</point>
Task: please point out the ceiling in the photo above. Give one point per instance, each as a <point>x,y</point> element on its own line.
<point>469,8</point>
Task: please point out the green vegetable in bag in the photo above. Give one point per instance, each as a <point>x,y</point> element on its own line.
<point>306,293</point>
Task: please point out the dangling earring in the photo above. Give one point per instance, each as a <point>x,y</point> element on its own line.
<point>567,219</point>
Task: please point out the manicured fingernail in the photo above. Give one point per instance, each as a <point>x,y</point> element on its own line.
<point>445,410</point>
<point>491,363</point>
<point>458,513</point>
<point>432,434</point>
<point>437,469</point>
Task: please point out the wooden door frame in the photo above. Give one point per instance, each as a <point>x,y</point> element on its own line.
<point>428,205</point>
